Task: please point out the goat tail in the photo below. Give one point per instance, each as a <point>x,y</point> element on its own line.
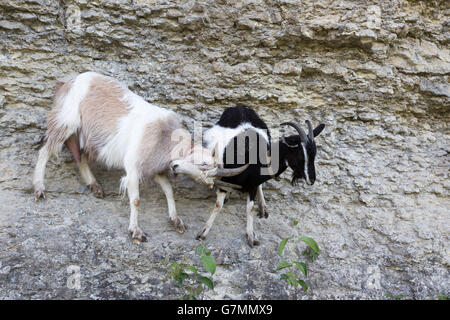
<point>130,183</point>
<point>123,186</point>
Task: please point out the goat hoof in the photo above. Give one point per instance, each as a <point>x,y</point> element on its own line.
<point>97,190</point>
<point>39,193</point>
<point>179,225</point>
<point>201,235</point>
<point>262,213</point>
<point>138,236</point>
<point>252,241</point>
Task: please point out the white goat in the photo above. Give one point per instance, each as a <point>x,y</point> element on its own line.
<point>98,118</point>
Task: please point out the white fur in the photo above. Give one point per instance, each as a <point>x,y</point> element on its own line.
<point>165,185</point>
<point>219,137</point>
<point>261,200</point>
<point>306,163</point>
<point>69,115</point>
<point>85,171</point>
<point>249,210</point>
<point>121,150</point>
<point>39,171</point>
<point>133,196</point>
<point>219,204</point>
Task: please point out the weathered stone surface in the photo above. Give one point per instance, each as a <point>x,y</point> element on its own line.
<point>377,75</point>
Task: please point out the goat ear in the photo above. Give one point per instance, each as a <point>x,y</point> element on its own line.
<point>318,129</point>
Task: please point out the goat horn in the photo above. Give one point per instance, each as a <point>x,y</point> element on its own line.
<point>303,136</point>
<point>310,129</point>
<point>224,184</point>
<point>222,172</point>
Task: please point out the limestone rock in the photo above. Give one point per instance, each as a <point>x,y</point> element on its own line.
<point>377,75</point>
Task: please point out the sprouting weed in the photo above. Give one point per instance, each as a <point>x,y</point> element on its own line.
<point>189,278</point>
<point>296,273</point>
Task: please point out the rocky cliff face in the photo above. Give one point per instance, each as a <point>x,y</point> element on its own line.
<point>377,74</point>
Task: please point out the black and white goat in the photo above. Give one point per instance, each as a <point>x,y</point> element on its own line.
<point>241,136</point>
<point>98,118</point>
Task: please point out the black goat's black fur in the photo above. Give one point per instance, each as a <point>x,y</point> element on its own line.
<point>290,151</point>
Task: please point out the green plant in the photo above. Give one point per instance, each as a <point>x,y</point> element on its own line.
<point>296,273</point>
<point>187,276</point>
<point>398,297</point>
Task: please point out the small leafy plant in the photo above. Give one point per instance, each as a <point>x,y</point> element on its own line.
<point>392,297</point>
<point>189,278</point>
<point>296,273</point>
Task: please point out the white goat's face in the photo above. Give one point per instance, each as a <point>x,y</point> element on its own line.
<point>196,165</point>
<point>201,158</point>
<point>201,165</point>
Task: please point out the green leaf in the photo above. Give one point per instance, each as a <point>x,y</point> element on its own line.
<point>201,250</point>
<point>284,276</point>
<point>206,281</point>
<point>291,279</point>
<point>282,245</point>
<point>303,267</point>
<point>209,263</point>
<point>295,222</point>
<point>192,268</point>
<point>180,277</point>
<point>198,290</point>
<point>284,264</point>
<point>191,295</point>
<point>310,242</point>
<point>304,284</point>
